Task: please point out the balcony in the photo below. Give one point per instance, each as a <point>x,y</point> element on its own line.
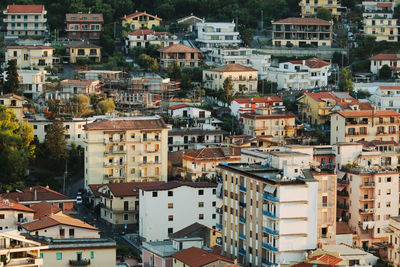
<point>367,211</point>
<point>112,164</point>
<point>242,204</point>
<point>269,214</point>
<point>81,262</point>
<point>115,152</point>
<point>242,236</point>
<point>147,163</point>
<point>367,185</point>
<point>242,219</point>
<point>242,251</point>
<point>111,176</point>
<point>270,231</point>
<point>218,226</point>
<point>119,140</point>
<point>343,206</point>
<point>242,188</point>
<point>356,134</point>
<point>269,247</point>
<point>266,262</point>
<point>270,197</point>
<point>367,198</point>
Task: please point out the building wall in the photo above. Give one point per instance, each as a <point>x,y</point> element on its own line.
<point>54,232</point>
<point>146,23</point>
<point>154,212</point>
<point>277,127</point>
<point>300,35</point>
<point>383,28</point>
<point>20,24</point>
<point>95,57</point>
<point>10,220</point>
<point>215,80</point>
<point>26,57</point>
<point>190,111</point>
<point>114,213</point>
<point>394,243</point>
<point>15,105</point>
<point>310,9</point>
<point>151,259</point>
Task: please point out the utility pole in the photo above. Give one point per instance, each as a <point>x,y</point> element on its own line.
<point>115,25</point>
<point>65,175</point>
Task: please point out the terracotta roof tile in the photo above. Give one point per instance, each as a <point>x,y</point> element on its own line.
<point>303,21</point>
<point>196,257</point>
<point>388,4</point>
<point>44,209</point>
<point>53,220</point>
<point>42,193</point>
<point>142,32</point>
<point>179,48</point>
<point>126,124</point>
<point>270,116</point>
<point>9,204</point>
<point>129,189</point>
<point>29,47</point>
<point>367,113</point>
<point>78,82</point>
<point>175,184</point>
<point>325,259</point>
<point>213,153</point>
<point>27,9</point>
<point>80,17</point>
<point>232,68</point>
<point>137,14</point>
<point>81,44</point>
<point>94,188</point>
<point>11,95</point>
<point>253,100</point>
<point>389,87</point>
<point>180,106</point>
<point>385,57</point>
<point>313,63</point>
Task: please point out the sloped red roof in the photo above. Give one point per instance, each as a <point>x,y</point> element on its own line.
<point>270,116</point>
<point>129,189</point>
<point>213,154</point>
<point>27,9</point>
<point>137,14</point>
<point>43,209</point>
<point>42,194</point>
<point>11,95</point>
<point>389,87</point>
<point>197,257</point>
<point>180,106</point>
<point>232,68</point>
<point>387,4</point>
<point>385,57</point>
<point>53,220</point>
<point>179,48</point>
<point>303,21</point>
<point>175,184</point>
<point>253,100</point>
<point>94,187</point>
<point>313,63</point>
<point>29,47</point>
<point>141,32</point>
<point>9,204</point>
<point>326,258</point>
<point>367,113</point>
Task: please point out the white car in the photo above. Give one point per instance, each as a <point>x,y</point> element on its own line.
<point>78,199</point>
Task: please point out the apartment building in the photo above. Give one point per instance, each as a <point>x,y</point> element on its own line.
<point>13,214</point>
<point>387,98</point>
<point>25,20</point>
<point>309,8</point>
<point>240,106</point>
<point>367,125</point>
<point>200,257</point>
<point>84,26</point>
<point>120,204</point>
<point>211,35</point>
<point>191,138</point>
<point>268,218</point>
<point>126,150</point>
<point>170,207</point>
<point>190,21</point>
<point>140,20</point>
<point>277,125</point>
<point>85,50</point>
<point>380,60</point>
<point>378,9</point>
<point>182,55</point>
<point>316,108</point>
<point>15,103</point>
<point>302,32</point>
<point>300,74</point>
<point>32,56</point>
<point>203,162</point>
<point>384,29</point>
<point>32,82</point>
<point>147,37</point>
<point>186,111</point>
<point>244,79</point>
<point>394,241</point>
<point>69,88</point>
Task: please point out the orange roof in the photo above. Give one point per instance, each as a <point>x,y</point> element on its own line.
<point>389,4</point>
<point>28,47</point>
<point>180,106</point>
<point>9,204</point>
<point>232,68</point>
<point>42,194</point>
<point>196,257</point>
<point>313,63</point>
<point>123,124</point>
<point>11,95</point>
<point>270,116</point>
<point>53,220</point>
<point>253,100</point>
<point>303,21</point>
<point>213,153</point>
<point>179,48</point>
<point>385,57</point>
<point>78,82</point>
<point>129,189</point>
<point>142,32</point>
<point>43,209</point>
<point>367,113</point>
<point>389,87</point>
<point>26,9</point>
<point>137,14</point>
<point>326,258</point>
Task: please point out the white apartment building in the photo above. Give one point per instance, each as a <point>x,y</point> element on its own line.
<point>387,98</point>
<point>185,111</point>
<point>13,214</point>
<point>269,216</point>
<point>69,88</point>
<point>194,138</point>
<point>378,9</point>
<point>300,74</point>
<point>32,82</point>
<point>146,37</point>
<point>167,208</point>
<point>384,29</point>
<point>126,150</point>
<point>379,60</point>
<point>211,35</point>
<point>25,20</point>
<point>240,106</point>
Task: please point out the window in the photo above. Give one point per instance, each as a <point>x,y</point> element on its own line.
<point>170,230</point>
<point>201,216</point>
<point>389,179</point>
<point>59,256</point>
<point>170,218</point>
<point>126,217</point>
<point>388,191</point>
<point>201,204</point>
<point>214,191</point>
<point>388,204</point>
<point>214,216</point>
<point>324,201</point>
<point>155,194</point>
<point>214,203</point>
<point>170,205</point>
<point>201,192</point>
<point>1,216</point>
<point>170,193</point>
<point>41,255</point>
<point>387,216</point>
<point>62,232</point>
<point>92,254</point>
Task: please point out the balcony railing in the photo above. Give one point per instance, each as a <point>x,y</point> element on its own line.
<point>367,198</point>
<point>242,236</point>
<point>269,247</point>
<point>270,231</point>
<point>269,214</point>
<point>343,206</point>
<point>242,219</point>
<point>367,211</point>
<point>108,164</point>
<point>82,262</point>
<point>242,188</point>
<point>369,184</point>
<point>111,152</point>
<point>270,197</point>
<point>118,140</point>
<point>242,251</point>
<point>242,204</point>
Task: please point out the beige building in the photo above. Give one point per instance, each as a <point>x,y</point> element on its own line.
<point>182,55</point>
<point>244,79</point>
<point>120,204</point>
<point>394,241</point>
<point>15,103</point>
<point>203,162</point>
<point>32,56</point>
<point>309,8</point>
<point>12,214</point>
<point>367,125</point>
<point>25,20</point>
<point>302,32</point>
<point>384,29</point>
<point>126,150</point>
<point>84,50</point>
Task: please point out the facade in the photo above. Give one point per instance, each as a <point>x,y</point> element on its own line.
<point>240,106</point>
<point>316,108</point>
<point>203,162</point>
<point>126,150</point>
<point>309,8</point>
<point>13,214</point>
<point>300,74</point>
<point>179,204</point>
<point>78,50</point>
<point>120,204</point>
<point>269,215</point>
<point>394,242</point>
<point>387,98</point>
<point>391,60</point>
<point>199,257</point>
<point>211,35</point>
<point>182,55</point>
<point>384,29</point>
<point>140,20</point>
<point>69,88</point>
<point>84,26</point>
<point>191,21</point>
<point>147,37</point>
<point>383,9</point>
<point>302,32</point>
<point>367,125</point>
<point>186,111</point>
<point>25,20</point>
<point>31,56</point>
<point>189,138</point>
<point>244,79</point>
<point>33,82</point>
<point>15,103</point>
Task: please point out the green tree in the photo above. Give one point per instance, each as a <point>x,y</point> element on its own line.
<point>147,62</point>
<point>106,106</point>
<point>12,83</point>
<point>346,81</point>
<point>174,71</point>
<point>83,61</point>
<point>246,34</point>
<point>324,13</point>
<point>55,143</point>
<point>227,87</point>
<point>80,105</point>
<point>107,43</point>
<point>16,147</point>
<point>186,83</point>
<point>369,44</point>
<point>385,73</point>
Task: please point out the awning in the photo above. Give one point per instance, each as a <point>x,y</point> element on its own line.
<point>340,187</point>
<point>269,189</point>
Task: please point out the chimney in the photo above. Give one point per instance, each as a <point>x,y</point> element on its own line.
<point>35,195</point>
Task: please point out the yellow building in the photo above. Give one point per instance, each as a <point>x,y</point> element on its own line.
<point>33,56</point>
<point>140,20</point>
<point>15,103</point>
<point>384,29</point>
<point>126,150</point>
<point>309,8</point>
<point>84,50</point>
<point>244,79</point>
<point>394,241</point>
